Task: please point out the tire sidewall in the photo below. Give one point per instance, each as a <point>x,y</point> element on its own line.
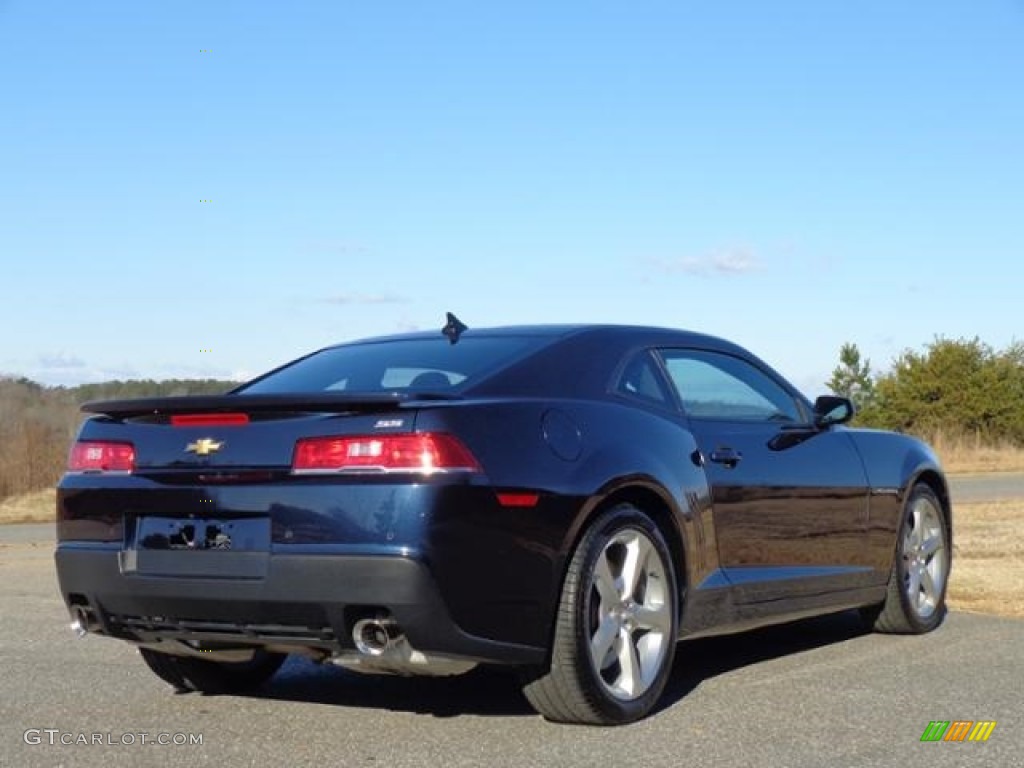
<point>899,567</point>
<point>620,518</point>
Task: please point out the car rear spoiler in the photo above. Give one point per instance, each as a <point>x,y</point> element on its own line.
<point>312,402</point>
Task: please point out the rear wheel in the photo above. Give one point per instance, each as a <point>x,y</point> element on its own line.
<point>916,600</point>
<point>186,673</point>
<point>615,635</point>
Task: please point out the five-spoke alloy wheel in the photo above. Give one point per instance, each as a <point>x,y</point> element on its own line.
<point>916,600</point>
<point>629,621</point>
<point>925,563</point>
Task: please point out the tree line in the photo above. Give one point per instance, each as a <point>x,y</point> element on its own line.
<point>38,423</point>
<point>957,387</point>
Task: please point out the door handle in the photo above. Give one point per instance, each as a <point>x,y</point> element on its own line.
<point>725,455</point>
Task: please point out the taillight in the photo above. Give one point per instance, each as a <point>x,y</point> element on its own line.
<point>426,453</point>
<point>209,419</point>
<point>101,456</point>
<point>518,499</point>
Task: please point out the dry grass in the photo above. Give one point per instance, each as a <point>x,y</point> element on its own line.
<point>969,454</point>
<point>988,558</point>
<point>36,507</point>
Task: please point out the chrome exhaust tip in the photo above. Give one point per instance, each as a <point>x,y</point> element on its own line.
<point>375,636</point>
<point>79,622</point>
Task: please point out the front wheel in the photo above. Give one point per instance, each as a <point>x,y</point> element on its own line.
<point>916,600</point>
<point>187,673</point>
<point>615,635</point>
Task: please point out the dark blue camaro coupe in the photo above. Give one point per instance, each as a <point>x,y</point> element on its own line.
<point>570,501</point>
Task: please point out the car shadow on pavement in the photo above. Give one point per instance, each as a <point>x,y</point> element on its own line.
<point>495,692</point>
<point>484,691</point>
<point>703,659</point>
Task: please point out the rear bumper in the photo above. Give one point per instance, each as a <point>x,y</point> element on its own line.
<point>301,600</point>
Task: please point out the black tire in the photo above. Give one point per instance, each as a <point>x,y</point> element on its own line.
<point>642,622</point>
<point>899,613</point>
<point>186,673</point>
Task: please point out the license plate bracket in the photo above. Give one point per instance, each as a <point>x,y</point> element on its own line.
<point>197,534</point>
<point>198,547</point>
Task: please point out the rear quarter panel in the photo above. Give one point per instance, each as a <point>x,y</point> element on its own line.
<point>622,451</point>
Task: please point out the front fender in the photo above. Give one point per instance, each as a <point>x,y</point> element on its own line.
<point>894,464</point>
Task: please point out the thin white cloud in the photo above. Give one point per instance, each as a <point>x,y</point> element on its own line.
<point>406,325</point>
<point>685,265</point>
<point>724,263</point>
<point>734,262</point>
<point>61,360</point>
<point>365,299</point>
<point>812,385</point>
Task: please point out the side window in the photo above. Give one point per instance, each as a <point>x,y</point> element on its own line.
<point>718,386</point>
<point>640,379</point>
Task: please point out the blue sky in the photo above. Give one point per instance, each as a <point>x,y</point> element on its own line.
<point>789,175</point>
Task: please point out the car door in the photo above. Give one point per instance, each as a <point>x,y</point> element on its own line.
<point>790,502</point>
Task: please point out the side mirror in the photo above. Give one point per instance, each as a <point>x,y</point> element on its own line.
<point>830,409</point>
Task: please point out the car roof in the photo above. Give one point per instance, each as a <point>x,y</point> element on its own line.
<point>636,333</point>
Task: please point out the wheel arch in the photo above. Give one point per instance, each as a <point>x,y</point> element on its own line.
<point>931,477</point>
<point>898,461</point>
<point>648,496</point>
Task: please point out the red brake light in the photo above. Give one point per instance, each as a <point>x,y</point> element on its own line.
<point>209,419</point>
<point>426,452</point>
<point>518,499</point>
<point>101,456</point>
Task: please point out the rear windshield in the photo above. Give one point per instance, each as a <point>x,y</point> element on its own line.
<point>414,365</point>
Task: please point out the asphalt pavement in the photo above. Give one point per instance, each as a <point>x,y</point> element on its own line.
<point>997,486</point>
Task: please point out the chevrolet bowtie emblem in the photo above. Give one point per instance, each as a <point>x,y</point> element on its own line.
<point>204,446</point>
